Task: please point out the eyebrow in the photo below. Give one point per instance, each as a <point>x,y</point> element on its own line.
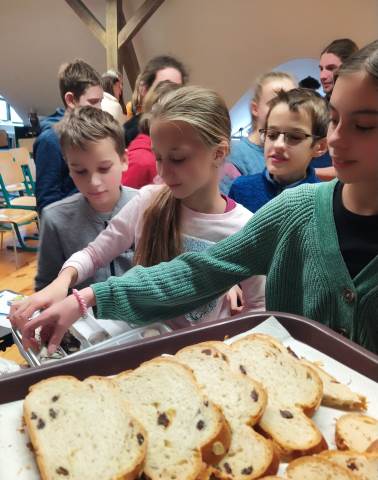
<point>363,111</point>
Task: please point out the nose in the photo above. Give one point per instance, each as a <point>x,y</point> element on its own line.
<point>279,142</point>
<point>164,170</point>
<point>95,180</point>
<point>336,136</point>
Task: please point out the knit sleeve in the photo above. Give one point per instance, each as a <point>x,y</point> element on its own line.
<point>173,288</point>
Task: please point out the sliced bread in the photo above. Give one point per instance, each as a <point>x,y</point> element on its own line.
<point>184,428</point>
<point>336,394</point>
<point>364,466</point>
<point>293,390</point>
<point>83,430</point>
<point>356,432</point>
<point>316,468</point>
<point>242,401</point>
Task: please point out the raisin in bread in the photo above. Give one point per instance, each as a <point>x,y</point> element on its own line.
<point>184,428</point>
<point>293,390</point>
<point>316,468</point>
<point>83,430</point>
<point>336,394</point>
<point>356,432</point>
<point>242,401</point>
<point>364,466</point>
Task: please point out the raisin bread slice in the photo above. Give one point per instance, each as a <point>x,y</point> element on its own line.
<point>356,432</point>
<point>316,468</point>
<point>242,401</point>
<point>364,466</point>
<point>336,394</point>
<point>83,430</point>
<point>293,390</point>
<point>184,428</point>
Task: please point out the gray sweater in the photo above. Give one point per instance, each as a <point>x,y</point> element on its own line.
<point>68,226</point>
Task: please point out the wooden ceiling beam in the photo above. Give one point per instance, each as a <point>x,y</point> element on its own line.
<point>136,22</point>
<point>88,19</point>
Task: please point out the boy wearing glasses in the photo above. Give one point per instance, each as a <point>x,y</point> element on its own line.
<point>294,133</point>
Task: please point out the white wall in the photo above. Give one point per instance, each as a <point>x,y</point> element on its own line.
<point>226,43</point>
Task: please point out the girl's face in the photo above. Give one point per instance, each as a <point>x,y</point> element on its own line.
<point>269,91</point>
<point>184,162</point>
<point>353,129</point>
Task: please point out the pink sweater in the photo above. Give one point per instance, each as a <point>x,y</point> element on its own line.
<point>199,230</point>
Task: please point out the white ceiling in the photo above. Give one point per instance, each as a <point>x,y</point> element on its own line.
<point>225,43</point>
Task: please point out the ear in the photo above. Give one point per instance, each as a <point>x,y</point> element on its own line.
<point>320,148</point>
<point>70,100</point>
<point>220,153</point>
<point>125,161</point>
<point>254,109</point>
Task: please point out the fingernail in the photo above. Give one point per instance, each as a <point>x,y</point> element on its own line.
<point>51,349</point>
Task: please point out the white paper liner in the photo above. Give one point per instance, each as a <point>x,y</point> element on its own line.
<point>17,461</point>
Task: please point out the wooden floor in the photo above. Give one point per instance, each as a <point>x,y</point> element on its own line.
<point>21,279</point>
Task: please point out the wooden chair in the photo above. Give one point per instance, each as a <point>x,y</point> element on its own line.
<point>12,181</point>
<point>27,143</point>
<point>22,157</point>
<point>11,220</point>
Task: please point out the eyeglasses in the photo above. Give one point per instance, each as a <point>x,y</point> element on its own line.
<point>290,138</point>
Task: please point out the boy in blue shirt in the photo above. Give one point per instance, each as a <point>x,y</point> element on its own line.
<point>294,134</point>
<point>79,85</point>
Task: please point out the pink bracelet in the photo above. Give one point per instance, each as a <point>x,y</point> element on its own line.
<point>81,302</point>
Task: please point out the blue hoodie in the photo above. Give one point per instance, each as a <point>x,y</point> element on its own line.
<point>254,191</point>
<point>53,181</point>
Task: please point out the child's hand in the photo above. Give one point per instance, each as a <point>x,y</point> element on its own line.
<point>235,300</point>
<point>21,311</point>
<point>54,322</point>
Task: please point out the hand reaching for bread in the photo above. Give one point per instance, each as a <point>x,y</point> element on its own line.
<point>54,321</point>
<point>23,310</point>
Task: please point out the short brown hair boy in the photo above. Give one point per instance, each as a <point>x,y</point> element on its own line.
<point>83,125</point>
<point>309,100</point>
<point>76,77</point>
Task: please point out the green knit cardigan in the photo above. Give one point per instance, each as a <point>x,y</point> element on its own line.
<point>292,240</point>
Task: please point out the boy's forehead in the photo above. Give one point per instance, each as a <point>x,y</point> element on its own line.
<point>99,150</point>
<point>282,116</point>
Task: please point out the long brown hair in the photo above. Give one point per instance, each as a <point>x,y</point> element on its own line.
<point>205,111</point>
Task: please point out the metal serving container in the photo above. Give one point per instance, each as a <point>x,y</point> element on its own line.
<point>76,344</point>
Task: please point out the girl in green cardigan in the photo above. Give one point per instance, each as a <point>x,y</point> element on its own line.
<point>317,244</point>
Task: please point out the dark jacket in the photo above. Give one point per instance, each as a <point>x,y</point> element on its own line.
<point>52,178</point>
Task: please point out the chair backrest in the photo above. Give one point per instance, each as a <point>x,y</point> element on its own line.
<point>27,143</point>
<point>10,170</point>
<point>22,157</point>
<point>3,138</point>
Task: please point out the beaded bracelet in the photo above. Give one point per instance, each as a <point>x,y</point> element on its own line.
<point>82,303</point>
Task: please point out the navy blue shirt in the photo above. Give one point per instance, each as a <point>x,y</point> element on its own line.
<point>53,181</point>
<point>254,191</point>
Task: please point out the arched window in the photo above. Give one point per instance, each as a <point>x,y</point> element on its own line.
<point>8,114</point>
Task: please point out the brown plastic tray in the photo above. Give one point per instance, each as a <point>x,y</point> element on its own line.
<point>116,359</point>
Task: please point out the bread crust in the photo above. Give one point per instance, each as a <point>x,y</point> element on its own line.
<point>342,443</point>
<point>333,469</point>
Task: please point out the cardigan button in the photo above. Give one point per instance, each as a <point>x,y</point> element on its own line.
<point>348,295</point>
